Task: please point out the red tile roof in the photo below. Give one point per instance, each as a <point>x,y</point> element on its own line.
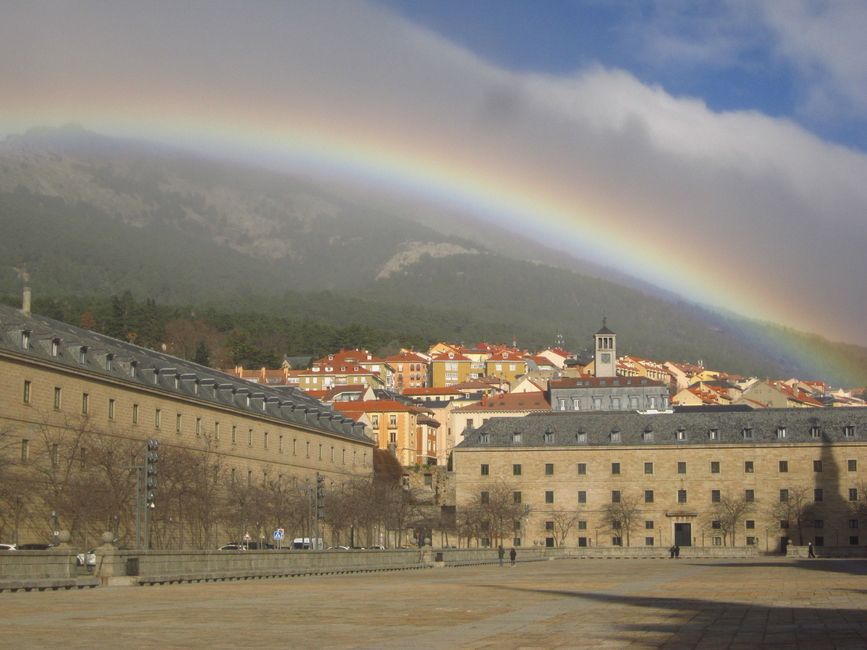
<point>536,401</point>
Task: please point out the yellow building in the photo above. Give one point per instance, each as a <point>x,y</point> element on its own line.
<point>449,368</point>
<point>507,365</point>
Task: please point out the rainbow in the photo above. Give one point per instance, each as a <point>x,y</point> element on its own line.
<point>421,167</point>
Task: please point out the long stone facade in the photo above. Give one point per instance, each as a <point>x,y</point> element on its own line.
<point>760,478</point>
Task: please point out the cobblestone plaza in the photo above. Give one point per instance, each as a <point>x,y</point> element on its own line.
<point>768,602</point>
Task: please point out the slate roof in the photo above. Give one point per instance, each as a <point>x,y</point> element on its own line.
<point>597,428</point>
<point>598,382</point>
<point>148,369</point>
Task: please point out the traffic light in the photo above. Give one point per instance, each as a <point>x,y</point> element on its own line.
<point>151,457</point>
<point>320,496</point>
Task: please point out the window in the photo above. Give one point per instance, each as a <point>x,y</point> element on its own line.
<point>58,395</point>
<point>819,540</point>
<point>681,467</point>
<point>158,418</point>
<point>548,437</point>
<point>818,495</point>
<point>265,444</point>
<point>747,433</point>
<point>280,449</point>
<point>681,435</point>
<point>374,420</point>
<point>111,403</point>
<point>516,470</point>
<point>217,433</point>
<point>392,420</point>
<point>198,426</point>
<point>781,433</point>
<point>582,496</point>
<point>784,495</point>
<point>714,467</point>
<point>55,454</point>
<point>716,524</point>
<point>648,541</point>
<point>748,466</point>
<point>713,434</point>
<point>817,465</point>
<point>852,465</point>
<point>27,387</point>
<point>853,540</point>
<point>516,497</point>
<point>750,524</point>
<point>615,468</point>
<point>549,525</point>
<point>784,524</point>
<point>516,438</point>
<point>815,432</point>
<point>784,466</point>
<point>485,470</point>
<point>178,423</point>
<point>681,496</point>
<point>582,469</point>
<point>135,413</point>
<point>617,541</point>
<point>819,523</point>
<point>85,403</point>
<point>250,441</point>
<point>749,496</point>
<point>235,437</point>
<point>615,436</point>
<point>648,525</point>
<point>485,497</point>
<point>715,496</point>
<point>849,431</point>
<point>853,523</point>
<point>853,494</point>
<point>648,496</point>
<point>549,469</point>
<point>549,496</point>
<point>717,541</point>
<point>484,438</point>
<point>582,524</point>
<point>648,468</point>
<point>25,450</point>
<point>615,496</point>
<point>751,541</point>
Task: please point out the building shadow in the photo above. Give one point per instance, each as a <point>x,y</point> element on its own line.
<point>848,566</point>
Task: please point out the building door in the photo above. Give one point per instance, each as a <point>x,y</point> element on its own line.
<point>683,534</point>
<point>784,543</point>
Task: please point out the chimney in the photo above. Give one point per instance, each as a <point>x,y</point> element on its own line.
<point>25,301</point>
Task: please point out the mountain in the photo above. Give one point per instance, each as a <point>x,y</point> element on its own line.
<point>89,215</point>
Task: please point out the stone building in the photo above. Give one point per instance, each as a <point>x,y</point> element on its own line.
<point>68,390</point>
<point>699,478</point>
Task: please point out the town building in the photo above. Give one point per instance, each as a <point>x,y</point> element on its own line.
<point>703,477</point>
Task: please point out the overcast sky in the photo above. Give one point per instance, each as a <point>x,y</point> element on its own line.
<point>721,146</point>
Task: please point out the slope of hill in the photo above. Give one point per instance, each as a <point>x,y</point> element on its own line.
<point>92,216</point>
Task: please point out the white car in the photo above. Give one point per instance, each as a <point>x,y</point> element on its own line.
<point>7,547</point>
<point>86,559</point>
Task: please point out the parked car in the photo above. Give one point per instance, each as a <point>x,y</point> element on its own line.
<point>7,547</point>
<point>232,547</point>
<point>35,547</point>
<point>338,548</point>
<point>376,547</point>
<point>87,559</point>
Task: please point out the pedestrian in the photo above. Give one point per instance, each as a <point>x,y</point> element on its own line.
<point>810,552</point>
<point>512,555</point>
<point>501,553</point>
<point>677,551</point>
<point>671,553</point>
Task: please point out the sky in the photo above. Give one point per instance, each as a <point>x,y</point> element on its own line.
<point>716,149</point>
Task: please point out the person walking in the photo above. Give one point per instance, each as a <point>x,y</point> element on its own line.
<point>676,552</point>
<point>810,552</point>
<point>501,553</point>
<point>512,555</point>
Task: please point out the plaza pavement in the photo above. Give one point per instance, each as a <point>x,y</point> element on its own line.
<point>773,602</point>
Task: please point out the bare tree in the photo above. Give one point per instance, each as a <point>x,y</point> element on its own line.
<point>794,507</point>
<point>564,521</point>
<point>729,511</point>
<point>622,516</point>
<point>498,509</point>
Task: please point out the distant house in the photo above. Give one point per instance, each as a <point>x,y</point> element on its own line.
<point>508,405</point>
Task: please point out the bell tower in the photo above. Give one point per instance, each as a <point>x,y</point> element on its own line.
<point>605,358</point>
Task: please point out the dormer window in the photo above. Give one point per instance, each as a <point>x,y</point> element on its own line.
<point>615,435</point>
<point>680,435</point>
<point>849,431</point>
<point>133,366</point>
<point>581,436</point>
<point>747,433</point>
<point>25,339</point>
<point>516,438</point>
<point>55,347</point>
<point>82,355</point>
<point>484,438</point>
<point>781,433</point>
<point>647,435</point>
<point>713,434</point>
<point>548,437</point>
<point>815,431</point>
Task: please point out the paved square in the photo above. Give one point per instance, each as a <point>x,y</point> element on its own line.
<point>555,604</point>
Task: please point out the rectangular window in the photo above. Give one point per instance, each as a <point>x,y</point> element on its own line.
<point>716,524</point>
<point>717,541</point>
<point>681,496</point>
<point>198,426</point>
<point>217,432</point>
<point>819,523</point>
<point>549,469</point>
<point>784,466</point>
<point>817,465</point>
<point>714,467</point>
<point>648,541</point>
<point>582,469</point>
<point>784,523</point>
<point>516,497</point>
<point>516,470</point>
<point>135,413</point>
<point>615,496</point>
<point>853,494</point>
<point>111,403</point>
<point>392,420</point>
<point>484,497</point>
<point>615,468</point>
<point>265,444</point>
<point>784,495</point>
<point>714,496</point>
<point>748,466</point>
<point>749,496</point>
<point>853,540</point>
<point>853,523</point>
<point>681,467</point>
<point>27,386</point>
<point>250,441</point>
<point>280,449</point>
<point>234,434</point>
<point>852,465</point>
<point>549,496</point>
<point>648,468</point>
<point>582,524</point>
<point>58,395</point>
<point>648,496</point>
<point>582,496</point>
<point>819,540</point>
<point>55,455</point>
<point>25,450</point>
<point>85,403</point>
<point>179,423</point>
<point>158,418</point>
<point>751,541</point>
<point>648,525</point>
<point>485,469</point>
<point>818,495</point>
<point>549,525</point>
<point>750,524</point>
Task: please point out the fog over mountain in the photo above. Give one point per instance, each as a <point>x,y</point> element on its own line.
<point>89,215</point>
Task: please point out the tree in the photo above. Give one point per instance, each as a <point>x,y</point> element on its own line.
<point>497,510</point>
<point>794,508</point>
<point>622,516</point>
<point>564,521</point>
<point>729,512</point>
